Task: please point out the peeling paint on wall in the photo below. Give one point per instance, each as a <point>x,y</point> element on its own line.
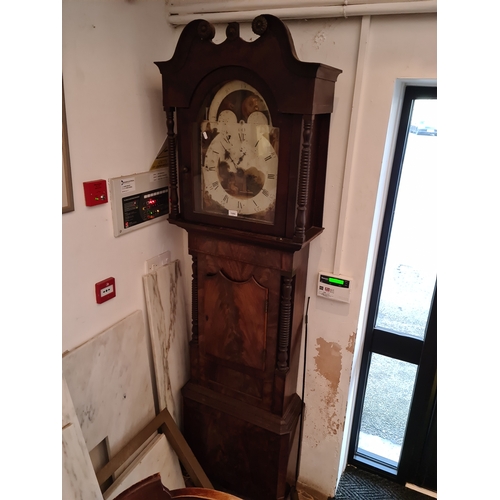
<point>329,365</point>
<point>319,39</point>
<point>351,343</point>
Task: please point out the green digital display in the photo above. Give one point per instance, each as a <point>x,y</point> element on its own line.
<point>331,280</point>
<point>336,281</point>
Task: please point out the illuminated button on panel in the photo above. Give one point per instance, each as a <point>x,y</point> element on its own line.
<point>143,207</point>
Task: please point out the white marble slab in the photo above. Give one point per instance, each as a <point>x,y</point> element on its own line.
<point>170,334</point>
<point>68,410</point>
<point>157,457</point>
<point>109,378</point>
<point>79,481</point>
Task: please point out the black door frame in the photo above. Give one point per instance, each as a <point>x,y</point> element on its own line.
<point>418,461</point>
<point>404,348</point>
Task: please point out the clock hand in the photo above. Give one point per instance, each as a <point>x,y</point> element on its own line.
<point>241,158</point>
<point>229,155</point>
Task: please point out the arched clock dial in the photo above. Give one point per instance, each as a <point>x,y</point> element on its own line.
<point>240,170</point>
<point>239,159</point>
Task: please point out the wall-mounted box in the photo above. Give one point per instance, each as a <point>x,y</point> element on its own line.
<point>334,287</point>
<point>139,200</point>
<point>105,290</point>
<point>95,192</point>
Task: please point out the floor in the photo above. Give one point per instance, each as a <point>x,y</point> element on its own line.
<point>356,484</point>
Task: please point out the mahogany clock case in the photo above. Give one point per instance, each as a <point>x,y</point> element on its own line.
<point>299,96</point>
<point>241,410</point>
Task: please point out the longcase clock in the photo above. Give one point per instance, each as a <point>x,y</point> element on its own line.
<point>248,127</point>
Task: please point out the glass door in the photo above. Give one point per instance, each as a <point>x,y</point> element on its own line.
<point>398,361</point>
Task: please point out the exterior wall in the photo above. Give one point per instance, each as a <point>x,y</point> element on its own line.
<point>116,126</point>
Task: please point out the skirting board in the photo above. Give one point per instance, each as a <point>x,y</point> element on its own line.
<point>414,487</point>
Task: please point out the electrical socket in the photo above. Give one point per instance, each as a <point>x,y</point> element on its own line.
<point>105,290</point>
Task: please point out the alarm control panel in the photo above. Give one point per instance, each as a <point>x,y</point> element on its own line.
<point>139,200</point>
<point>334,287</point>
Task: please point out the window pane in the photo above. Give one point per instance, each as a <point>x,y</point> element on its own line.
<point>410,270</point>
<point>385,411</point>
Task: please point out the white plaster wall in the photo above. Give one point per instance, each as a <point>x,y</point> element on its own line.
<point>116,126</point>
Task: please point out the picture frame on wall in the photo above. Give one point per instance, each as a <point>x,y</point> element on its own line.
<point>67,186</point>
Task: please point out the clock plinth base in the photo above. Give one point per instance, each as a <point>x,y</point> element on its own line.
<point>247,451</point>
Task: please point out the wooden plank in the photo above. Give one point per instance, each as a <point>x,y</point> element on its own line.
<point>164,422</point>
<point>184,452</point>
<point>126,452</point>
<point>158,457</point>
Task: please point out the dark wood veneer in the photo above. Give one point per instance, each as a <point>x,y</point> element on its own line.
<point>241,409</point>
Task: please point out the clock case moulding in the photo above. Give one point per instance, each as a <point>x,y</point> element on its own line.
<point>241,410</point>
<point>300,100</point>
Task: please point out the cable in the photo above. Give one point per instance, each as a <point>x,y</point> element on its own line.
<point>301,428</point>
